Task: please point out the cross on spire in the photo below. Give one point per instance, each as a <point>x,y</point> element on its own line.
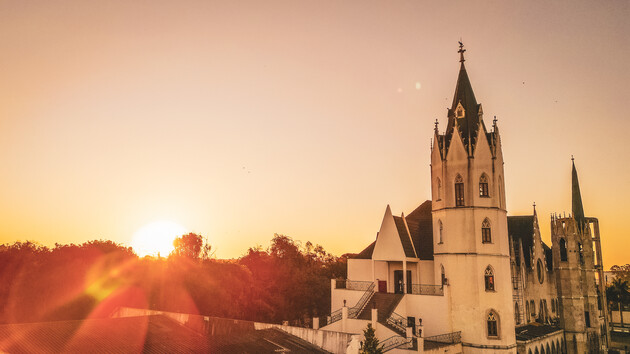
<point>461,51</point>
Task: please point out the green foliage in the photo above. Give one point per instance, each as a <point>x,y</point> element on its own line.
<point>370,344</point>
<point>621,272</point>
<point>284,282</point>
<point>618,293</point>
<point>188,246</point>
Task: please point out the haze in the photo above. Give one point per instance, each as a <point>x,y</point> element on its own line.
<point>241,119</point>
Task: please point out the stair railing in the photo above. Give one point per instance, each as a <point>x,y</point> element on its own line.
<point>395,342</point>
<point>447,338</point>
<point>353,312</point>
<point>333,317</point>
<point>398,322</point>
<point>356,309</point>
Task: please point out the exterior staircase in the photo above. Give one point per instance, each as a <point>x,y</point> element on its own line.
<point>385,303</point>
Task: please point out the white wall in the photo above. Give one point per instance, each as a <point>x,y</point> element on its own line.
<point>360,269</point>
<point>433,310</point>
<point>388,245</point>
<point>380,272</point>
<point>427,272</point>
<point>338,295</point>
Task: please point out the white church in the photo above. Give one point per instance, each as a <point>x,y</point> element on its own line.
<point>459,275</point>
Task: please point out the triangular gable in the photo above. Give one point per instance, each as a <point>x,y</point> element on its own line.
<point>388,245</point>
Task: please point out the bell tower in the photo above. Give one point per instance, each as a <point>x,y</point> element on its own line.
<point>470,223</point>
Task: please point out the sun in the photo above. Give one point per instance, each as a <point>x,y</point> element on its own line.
<point>156,238</point>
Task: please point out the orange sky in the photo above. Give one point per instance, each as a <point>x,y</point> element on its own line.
<point>238,119</point>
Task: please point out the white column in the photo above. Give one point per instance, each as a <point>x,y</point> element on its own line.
<point>420,330</point>
<point>374,317</point>
<point>315,322</point>
<point>344,318</point>
<point>374,273</point>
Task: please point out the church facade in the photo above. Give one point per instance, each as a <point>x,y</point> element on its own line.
<point>459,274</point>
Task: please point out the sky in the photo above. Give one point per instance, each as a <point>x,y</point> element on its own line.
<point>241,119</point>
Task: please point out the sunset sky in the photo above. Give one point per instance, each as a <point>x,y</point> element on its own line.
<point>241,119</point>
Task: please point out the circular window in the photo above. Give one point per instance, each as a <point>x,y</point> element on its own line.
<point>539,270</point>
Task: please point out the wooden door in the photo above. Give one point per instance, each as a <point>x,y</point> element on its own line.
<point>382,286</point>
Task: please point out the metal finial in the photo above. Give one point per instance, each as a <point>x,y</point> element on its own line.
<point>572,159</point>
<point>461,51</point>
<point>494,121</point>
<point>436,124</point>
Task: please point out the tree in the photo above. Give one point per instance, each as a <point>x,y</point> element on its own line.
<point>618,292</point>
<point>621,272</point>
<point>370,344</point>
<point>188,246</point>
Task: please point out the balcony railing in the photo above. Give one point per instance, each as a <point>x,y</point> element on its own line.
<point>448,338</point>
<point>353,284</point>
<point>426,289</point>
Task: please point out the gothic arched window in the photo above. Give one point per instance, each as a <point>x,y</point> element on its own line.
<point>527,313</point>
<point>517,314</point>
<point>483,186</point>
<point>532,306</point>
<point>581,253</point>
<point>459,191</point>
<point>441,230</point>
<point>486,236</point>
<point>439,190</point>
<point>489,279</point>
<point>563,250</point>
<point>492,322</point>
<point>540,271</point>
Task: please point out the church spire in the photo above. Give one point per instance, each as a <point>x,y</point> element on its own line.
<point>464,113</point>
<point>578,209</point>
<point>463,90</point>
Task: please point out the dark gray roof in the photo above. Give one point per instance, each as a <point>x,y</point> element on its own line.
<point>469,125</point>
<point>149,334</point>
<point>522,228</point>
<point>420,226</point>
<point>534,330</point>
<point>405,240</point>
<point>548,257</point>
<point>366,253</point>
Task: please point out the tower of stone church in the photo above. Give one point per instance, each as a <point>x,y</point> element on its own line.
<point>471,247</point>
<point>577,263</point>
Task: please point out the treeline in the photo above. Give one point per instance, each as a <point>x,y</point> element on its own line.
<point>286,281</point>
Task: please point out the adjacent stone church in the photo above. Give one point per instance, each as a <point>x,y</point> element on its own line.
<point>458,274</point>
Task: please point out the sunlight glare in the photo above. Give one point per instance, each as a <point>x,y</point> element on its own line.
<point>156,238</point>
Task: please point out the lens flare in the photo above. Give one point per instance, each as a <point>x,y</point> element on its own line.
<point>156,238</point>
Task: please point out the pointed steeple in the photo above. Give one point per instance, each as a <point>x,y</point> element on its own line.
<point>465,113</point>
<point>464,93</point>
<point>576,197</point>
